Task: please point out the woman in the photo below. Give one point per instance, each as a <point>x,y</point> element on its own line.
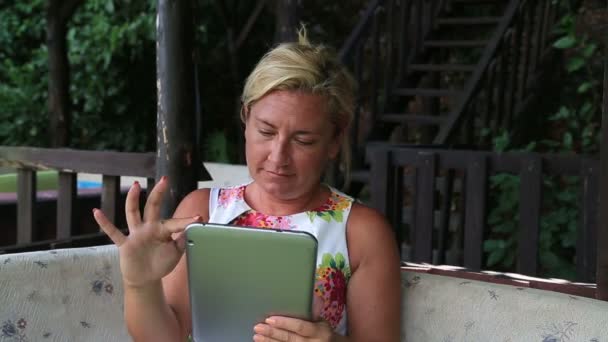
<point>297,107</point>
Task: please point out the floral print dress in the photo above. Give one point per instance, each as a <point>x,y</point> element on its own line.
<point>327,223</point>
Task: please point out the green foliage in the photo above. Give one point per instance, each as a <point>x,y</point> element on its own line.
<point>111,55</point>
<point>111,52</point>
<point>558,222</point>
<point>23,74</point>
<point>573,127</point>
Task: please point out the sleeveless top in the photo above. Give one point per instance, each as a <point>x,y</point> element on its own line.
<point>327,223</point>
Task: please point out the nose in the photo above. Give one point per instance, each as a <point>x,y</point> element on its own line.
<point>279,153</point>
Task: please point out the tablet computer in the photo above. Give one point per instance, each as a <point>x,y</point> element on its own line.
<point>238,276</point>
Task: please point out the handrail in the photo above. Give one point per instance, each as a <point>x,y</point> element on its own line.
<point>474,83</point>
<point>63,159</point>
<point>357,33</point>
<point>520,42</point>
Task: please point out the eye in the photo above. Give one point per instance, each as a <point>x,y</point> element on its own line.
<point>265,133</point>
<point>304,142</point>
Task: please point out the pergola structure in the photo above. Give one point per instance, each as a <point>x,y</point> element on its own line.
<point>177,120</point>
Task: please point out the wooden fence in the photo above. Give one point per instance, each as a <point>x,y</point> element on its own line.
<point>424,191</point>
<point>112,165</point>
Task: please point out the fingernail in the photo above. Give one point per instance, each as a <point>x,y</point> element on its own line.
<point>95,210</point>
<point>163,178</point>
<point>270,320</point>
<point>197,217</point>
<point>136,183</point>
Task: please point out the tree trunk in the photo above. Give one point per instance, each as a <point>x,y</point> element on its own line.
<point>58,14</point>
<point>178,156</point>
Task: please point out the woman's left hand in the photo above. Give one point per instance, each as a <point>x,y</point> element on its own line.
<point>287,329</point>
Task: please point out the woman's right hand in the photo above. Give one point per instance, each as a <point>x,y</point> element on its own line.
<point>149,252</point>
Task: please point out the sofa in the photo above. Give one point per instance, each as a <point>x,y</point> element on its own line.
<point>76,295</point>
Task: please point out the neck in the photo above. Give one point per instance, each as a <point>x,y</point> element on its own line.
<point>264,202</point>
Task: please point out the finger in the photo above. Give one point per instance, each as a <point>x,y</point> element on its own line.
<point>298,326</point>
<point>132,213</point>
<point>175,225</point>
<point>152,208</point>
<point>262,338</point>
<point>271,333</point>
<point>113,233</point>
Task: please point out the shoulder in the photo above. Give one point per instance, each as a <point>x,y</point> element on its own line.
<point>369,235</point>
<point>195,203</point>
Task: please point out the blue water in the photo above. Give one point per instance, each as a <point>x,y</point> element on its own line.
<point>88,185</point>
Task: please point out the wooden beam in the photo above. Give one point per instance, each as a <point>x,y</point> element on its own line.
<point>100,162</point>
<point>26,203</point>
<point>66,202</point>
<point>178,155</point>
<point>287,21</point>
<point>529,214</point>
<point>110,196</point>
<point>602,231</point>
<point>475,211</point>
<point>426,168</point>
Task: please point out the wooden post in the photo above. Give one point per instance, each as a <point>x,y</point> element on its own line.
<point>177,155</point>
<point>58,14</point>
<point>602,227</point>
<point>287,21</point>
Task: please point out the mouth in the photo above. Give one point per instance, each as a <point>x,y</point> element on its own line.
<point>276,174</point>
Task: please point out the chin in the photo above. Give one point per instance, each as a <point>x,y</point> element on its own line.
<point>283,189</point>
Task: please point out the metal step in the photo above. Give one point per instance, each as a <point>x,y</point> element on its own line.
<point>469,21</point>
<point>425,92</point>
<point>420,119</point>
<point>456,43</point>
<point>443,67</point>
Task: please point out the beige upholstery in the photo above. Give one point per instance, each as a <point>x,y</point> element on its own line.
<point>76,295</point>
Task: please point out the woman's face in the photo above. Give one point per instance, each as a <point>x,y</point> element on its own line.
<point>289,139</point>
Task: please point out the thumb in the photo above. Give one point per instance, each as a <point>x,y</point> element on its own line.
<point>180,243</point>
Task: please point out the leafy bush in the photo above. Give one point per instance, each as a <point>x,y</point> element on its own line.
<point>574,127</point>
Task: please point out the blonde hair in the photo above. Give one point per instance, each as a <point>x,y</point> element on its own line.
<point>315,69</point>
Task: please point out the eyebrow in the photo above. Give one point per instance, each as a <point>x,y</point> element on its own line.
<point>300,132</point>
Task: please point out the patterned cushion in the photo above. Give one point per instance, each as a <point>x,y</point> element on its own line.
<point>76,295</point>
<point>444,309</point>
<point>62,295</point>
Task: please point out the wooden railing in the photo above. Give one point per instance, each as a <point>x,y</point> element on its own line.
<point>431,191</point>
<point>112,165</point>
<point>386,39</point>
<point>390,39</point>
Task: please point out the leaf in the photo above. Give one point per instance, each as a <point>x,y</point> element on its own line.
<point>509,260</point>
<point>110,6</point>
<point>495,257</point>
<point>565,42</point>
<point>575,64</point>
<point>325,216</point>
<point>492,245</point>
<point>589,50</point>
<point>340,260</point>
<point>583,88</point>
<point>567,140</point>
<point>326,259</point>
<point>337,214</point>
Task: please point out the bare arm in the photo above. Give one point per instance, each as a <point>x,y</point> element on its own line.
<point>374,290</point>
<point>161,311</point>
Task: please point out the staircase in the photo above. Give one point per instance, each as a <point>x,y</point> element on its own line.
<point>444,72</point>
